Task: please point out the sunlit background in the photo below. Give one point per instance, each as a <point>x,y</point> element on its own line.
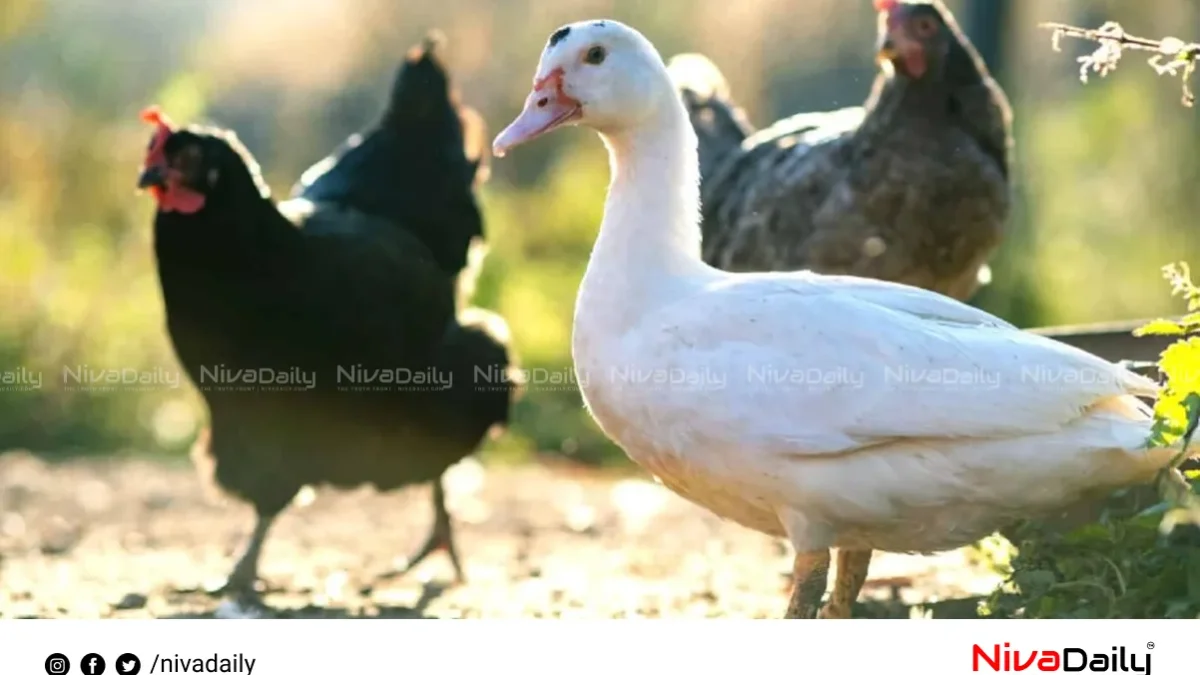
<point>1107,172</point>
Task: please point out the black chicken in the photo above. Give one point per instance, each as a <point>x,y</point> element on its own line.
<point>425,128</point>
<point>423,118</point>
<point>326,345</point>
<point>912,188</point>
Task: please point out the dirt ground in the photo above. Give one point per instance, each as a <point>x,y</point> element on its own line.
<point>137,538</point>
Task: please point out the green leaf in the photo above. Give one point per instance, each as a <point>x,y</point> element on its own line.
<point>1179,275</point>
<point>1093,533</point>
<point>1179,609</point>
<point>1156,510</point>
<point>1181,361</point>
<point>1190,322</point>
<point>1035,582</point>
<point>1159,327</point>
<point>1193,575</point>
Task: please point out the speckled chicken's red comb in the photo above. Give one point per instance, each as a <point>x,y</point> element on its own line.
<point>154,115</point>
<point>885,5</point>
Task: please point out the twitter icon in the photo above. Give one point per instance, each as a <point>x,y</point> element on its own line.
<point>128,664</point>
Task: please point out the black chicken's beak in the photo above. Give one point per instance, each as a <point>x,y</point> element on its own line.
<point>887,50</point>
<point>152,176</point>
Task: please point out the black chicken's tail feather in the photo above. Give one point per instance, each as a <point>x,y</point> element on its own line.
<point>720,125</point>
<point>476,349</point>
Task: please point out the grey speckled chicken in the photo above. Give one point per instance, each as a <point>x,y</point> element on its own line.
<point>914,187</point>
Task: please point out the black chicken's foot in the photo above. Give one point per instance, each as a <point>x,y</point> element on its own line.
<point>242,581</point>
<point>441,538</point>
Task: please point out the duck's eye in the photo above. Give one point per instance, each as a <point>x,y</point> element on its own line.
<point>595,56</point>
<point>925,26</point>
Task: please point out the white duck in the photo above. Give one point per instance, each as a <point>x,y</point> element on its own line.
<point>836,411</point>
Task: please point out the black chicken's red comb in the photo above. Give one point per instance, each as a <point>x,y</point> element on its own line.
<point>885,5</point>
<point>154,115</point>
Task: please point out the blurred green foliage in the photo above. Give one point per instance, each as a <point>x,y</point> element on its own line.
<point>1106,171</point>
<point>1121,568</point>
<point>1133,561</point>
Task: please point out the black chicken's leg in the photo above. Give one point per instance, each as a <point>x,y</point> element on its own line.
<point>242,579</point>
<point>440,538</point>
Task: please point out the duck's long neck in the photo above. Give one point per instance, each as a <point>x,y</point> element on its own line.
<point>652,212</point>
<point>649,241</point>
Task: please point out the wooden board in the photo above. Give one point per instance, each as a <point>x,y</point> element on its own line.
<point>1113,341</point>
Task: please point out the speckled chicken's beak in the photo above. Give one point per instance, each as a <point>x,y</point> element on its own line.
<point>890,45</point>
<point>547,108</point>
<point>887,48</point>
<point>897,46</point>
<point>887,51</point>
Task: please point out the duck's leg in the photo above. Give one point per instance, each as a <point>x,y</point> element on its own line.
<point>852,567</point>
<point>810,574</point>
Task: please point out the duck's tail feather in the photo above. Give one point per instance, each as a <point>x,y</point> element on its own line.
<point>720,125</point>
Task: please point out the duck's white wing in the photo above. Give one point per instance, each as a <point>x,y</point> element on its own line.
<point>808,366</point>
<point>900,297</point>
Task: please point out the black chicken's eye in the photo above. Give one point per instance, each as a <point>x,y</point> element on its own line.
<point>189,159</point>
<point>595,55</point>
<point>925,26</point>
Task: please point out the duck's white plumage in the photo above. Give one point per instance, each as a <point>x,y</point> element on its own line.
<point>899,421</point>
<point>837,411</point>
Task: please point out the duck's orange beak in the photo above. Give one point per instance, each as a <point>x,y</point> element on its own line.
<point>547,108</point>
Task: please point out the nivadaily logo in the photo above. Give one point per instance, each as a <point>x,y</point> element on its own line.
<point>1004,659</point>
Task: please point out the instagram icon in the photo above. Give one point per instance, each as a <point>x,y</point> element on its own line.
<point>57,664</point>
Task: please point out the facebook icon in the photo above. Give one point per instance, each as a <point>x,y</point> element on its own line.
<point>92,664</point>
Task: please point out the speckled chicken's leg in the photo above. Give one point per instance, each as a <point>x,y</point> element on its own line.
<point>441,538</point>
<point>241,581</point>
<point>810,574</point>
<point>852,567</point>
